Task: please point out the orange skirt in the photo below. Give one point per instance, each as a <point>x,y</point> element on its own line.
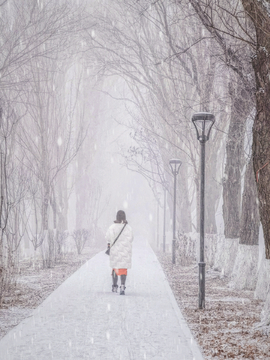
<point>120,271</point>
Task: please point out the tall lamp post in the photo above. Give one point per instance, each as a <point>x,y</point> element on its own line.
<point>203,123</point>
<point>175,166</point>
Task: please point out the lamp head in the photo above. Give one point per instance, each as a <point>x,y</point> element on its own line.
<point>203,123</point>
<point>175,166</point>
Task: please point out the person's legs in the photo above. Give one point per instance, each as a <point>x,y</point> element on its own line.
<point>115,281</point>
<point>123,279</point>
<point>123,282</point>
<point>123,275</point>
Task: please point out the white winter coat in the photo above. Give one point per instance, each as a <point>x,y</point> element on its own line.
<point>121,251</point>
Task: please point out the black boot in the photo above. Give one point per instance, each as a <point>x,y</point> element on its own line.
<point>115,281</point>
<point>123,281</point>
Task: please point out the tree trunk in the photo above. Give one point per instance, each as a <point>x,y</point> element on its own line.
<point>261,142</point>
<point>234,162</point>
<point>184,209</point>
<point>261,131</point>
<point>63,201</point>
<point>45,208</point>
<point>250,217</point>
<point>54,207</point>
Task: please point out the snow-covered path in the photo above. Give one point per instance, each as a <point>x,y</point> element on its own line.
<point>83,319</point>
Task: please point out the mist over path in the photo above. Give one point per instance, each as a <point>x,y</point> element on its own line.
<point>83,319</point>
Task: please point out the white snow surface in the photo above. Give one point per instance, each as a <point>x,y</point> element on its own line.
<point>83,319</point>
<point>263,283</point>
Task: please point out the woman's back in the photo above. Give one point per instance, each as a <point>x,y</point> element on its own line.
<point>121,251</point>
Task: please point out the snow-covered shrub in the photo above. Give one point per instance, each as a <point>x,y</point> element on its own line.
<point>81,236</point>
<point>226,252</point>
<point>188,248</point>
<point>185,250</point>
<point>210,248</point>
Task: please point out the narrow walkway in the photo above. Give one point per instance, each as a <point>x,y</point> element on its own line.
<point>83,319</point>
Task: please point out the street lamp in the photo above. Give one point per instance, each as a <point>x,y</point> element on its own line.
<point>203,123</point>
<point>175,166</point>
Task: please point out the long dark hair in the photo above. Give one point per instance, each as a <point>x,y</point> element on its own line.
<point>121,217</point>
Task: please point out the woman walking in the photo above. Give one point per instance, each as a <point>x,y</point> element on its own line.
<point>120,250</point>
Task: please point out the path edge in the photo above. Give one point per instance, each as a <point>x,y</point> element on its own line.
<point>195,348</point>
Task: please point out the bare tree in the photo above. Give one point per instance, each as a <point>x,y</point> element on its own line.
<point>34,34</point>
<point>13,189</point>
<point>49,138</point>
<point>163,74</point>
<point>258,13</point>
<point>80,236</point>
<point>234,33</point>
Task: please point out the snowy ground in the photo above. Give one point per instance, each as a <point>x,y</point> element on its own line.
<point>34,284</point>
<point>226,328</point>
<point>83,319</point>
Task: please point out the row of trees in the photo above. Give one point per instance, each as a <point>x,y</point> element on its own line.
<point>177,58</point>
<point>181,57</point>
<point>42,126</point>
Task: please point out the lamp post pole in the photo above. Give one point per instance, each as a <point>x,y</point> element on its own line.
<point>175,166</point>
<point>164,222</point>
<point>202,263</point>
<point>203,123</point>
<point>174,218</point>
